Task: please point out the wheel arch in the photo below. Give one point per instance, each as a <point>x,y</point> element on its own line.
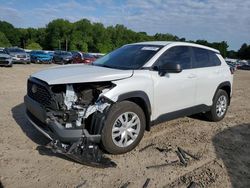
<point>141,99</point>
<point>226,86</point>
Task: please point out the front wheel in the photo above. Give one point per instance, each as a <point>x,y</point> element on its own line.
<point>219,107</point>
<point>124,127</point>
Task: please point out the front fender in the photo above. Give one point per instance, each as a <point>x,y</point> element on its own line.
<point>139,86</point>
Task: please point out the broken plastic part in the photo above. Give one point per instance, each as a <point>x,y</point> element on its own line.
<point>83,151</point>
<point>70,96</point>
<point>184,153</point>
<point>145,185</point>
<point>192,185</point>
<point>93,108</point>
<point>182,160</point>
<point>125,185</point>
<point>146,147</point>
<point>162,165</point>
<point>163,149</point>
<point>81,184</point>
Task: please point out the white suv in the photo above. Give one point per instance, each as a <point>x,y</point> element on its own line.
<point>120,95</point>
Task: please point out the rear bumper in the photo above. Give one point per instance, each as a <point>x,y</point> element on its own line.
<point>63,61</point>
<point>52,129</point>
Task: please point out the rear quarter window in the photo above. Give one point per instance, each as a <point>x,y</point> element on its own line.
<point>214,60</point>
<point>204,58</point>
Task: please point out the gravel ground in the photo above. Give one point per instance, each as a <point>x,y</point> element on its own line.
<point>223,148</point>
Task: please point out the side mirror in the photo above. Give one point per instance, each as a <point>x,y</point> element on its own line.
<point>169,68</point>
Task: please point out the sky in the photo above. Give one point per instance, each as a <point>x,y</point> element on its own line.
<point>212,20</point>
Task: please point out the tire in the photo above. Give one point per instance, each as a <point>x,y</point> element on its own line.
<point>124,110</point>
<point>214,114</point>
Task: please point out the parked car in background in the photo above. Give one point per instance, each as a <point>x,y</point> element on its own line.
<point>18,55</point>
<point>62,57</point>
<point>74,53</point>
<point>51,53</point>
<point>85,58</point>
<point>97,55</point>
<point>39,56</point>
<point>244,67</point>
<point>76,57</point>
<point>5,59</point>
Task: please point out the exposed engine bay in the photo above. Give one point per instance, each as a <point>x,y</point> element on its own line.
<point>76,102</point>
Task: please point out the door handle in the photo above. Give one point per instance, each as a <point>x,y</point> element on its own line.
<point>191,76</point>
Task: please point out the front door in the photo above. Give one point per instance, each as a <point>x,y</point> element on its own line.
<point>174,91</point>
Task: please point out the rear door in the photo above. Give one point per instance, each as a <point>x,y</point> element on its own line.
<point>206,65</point>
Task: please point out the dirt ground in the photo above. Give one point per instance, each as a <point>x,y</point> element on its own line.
<point>223,147</point>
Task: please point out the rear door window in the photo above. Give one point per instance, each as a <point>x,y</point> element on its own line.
<point>201,58</point>
<point>204,58</point>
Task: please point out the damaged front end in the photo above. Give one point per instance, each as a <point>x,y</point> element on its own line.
<point>72,116</point>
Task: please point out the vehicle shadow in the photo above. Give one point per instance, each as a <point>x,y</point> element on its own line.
<point>18,113</point>
<point>233,147</point>
<point>199,116</point>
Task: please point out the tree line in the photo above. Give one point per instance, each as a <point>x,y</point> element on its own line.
<point>85,36</point>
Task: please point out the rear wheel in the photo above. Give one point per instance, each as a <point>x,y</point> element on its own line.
<point>219,107</point>
<point>124,127</point>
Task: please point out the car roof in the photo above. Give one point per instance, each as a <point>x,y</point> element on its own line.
<point>165,43</point>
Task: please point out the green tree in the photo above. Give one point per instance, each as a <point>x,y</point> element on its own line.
<point>81,35</point>
<point>165,37</point>
<point>221,46</point>
<point>23,37</point>
<point>4,42</point>
<point>58,34</point>
<point>77,42</point>
<point>101,39</point>
<point>10,32</point>
<point>232,54</point>
<point>33,46</point>
<point>244,51</point>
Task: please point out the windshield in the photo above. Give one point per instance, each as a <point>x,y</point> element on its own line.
<point>128,57</point>
<point>87,56</point>
<point>15,50</point>
<point>38,52</point>
<point>66,53</point>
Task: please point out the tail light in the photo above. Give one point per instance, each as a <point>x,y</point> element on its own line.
<point>232,70</point>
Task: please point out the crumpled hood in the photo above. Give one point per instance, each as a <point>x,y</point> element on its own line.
<point>65,74</point>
